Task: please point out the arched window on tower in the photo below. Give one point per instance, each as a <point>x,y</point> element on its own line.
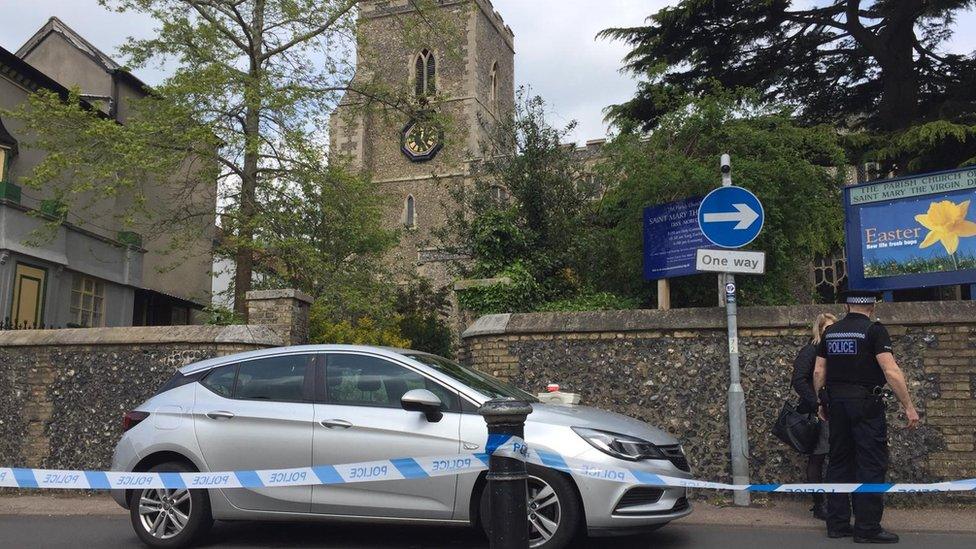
<point>493,90</point>
<point>409,213</point>
<point>499,195</point>
<point>425,74</point>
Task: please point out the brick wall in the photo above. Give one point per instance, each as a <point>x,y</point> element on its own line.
<point>671,368</point>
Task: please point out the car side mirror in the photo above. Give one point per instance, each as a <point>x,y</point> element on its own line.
<point>424,401</point>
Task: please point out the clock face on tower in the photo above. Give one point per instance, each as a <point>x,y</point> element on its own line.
<point>421,140</point>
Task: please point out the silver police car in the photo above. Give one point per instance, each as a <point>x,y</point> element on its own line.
<point>331,404</point>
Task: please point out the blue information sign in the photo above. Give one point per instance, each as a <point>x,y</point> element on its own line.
<point>912,232</point>
<point>671,238</point>
<point>731,217</point>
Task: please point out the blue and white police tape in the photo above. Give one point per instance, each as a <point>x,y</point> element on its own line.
<point>417,468</point>
<point>370,471</point>
<point>516,448</point>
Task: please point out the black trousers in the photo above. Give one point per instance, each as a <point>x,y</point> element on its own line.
<point>858,454</point>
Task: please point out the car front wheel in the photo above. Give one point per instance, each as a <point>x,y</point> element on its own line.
<point>553,507</point>
<point>170,518</point>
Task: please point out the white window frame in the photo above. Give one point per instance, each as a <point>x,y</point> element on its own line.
<point>92,314</point>
<point>5,155</point>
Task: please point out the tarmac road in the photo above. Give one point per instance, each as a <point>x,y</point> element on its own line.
<point>94,531</point>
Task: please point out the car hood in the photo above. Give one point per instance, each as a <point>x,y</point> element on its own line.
<point>594,418</point>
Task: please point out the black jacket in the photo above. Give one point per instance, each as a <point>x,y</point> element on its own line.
<point>803,379</point>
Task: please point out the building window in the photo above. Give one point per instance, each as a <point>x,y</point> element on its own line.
<point>87,302</point>
<point>8,150</point>
<point>493,91</point>
<point>180,316</point>
<point>591,186</point>
<point>499,195</point>
<point>830,275</point>
<point>410,213</point>
<point>4,159</point>
<point>425,74</point>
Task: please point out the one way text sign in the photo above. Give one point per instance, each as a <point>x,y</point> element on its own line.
<point>731,261</point>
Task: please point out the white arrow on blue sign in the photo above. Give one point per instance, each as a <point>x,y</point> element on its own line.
<point>731,217</point>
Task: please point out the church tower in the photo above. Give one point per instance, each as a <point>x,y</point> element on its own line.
<point>457,64</point>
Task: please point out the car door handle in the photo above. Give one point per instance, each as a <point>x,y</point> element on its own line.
<point>220,414</point>
<point>336,423</point>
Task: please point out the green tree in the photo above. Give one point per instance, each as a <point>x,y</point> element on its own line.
<point>423,312</point>
<point>247,104</point>
<point>525,218</point>
<point>789,166</point>
<point>871,65</point>
<point>327,238</point>
<point>324,328</point>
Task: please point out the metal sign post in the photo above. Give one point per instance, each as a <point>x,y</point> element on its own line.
<point>738,433</point>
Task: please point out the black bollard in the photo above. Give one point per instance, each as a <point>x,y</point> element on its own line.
<point>508,523</point>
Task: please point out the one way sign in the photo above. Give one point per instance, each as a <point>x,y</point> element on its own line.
<point>731,217</point>
<point>743,216</point>
<point>731,261</point>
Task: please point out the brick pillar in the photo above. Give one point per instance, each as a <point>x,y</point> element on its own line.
<point>284,311</point>
<point>951,360</point>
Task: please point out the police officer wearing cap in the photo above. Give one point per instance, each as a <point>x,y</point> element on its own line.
<point>854,362</point>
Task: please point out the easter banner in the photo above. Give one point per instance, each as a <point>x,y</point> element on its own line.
<point>912,232</point>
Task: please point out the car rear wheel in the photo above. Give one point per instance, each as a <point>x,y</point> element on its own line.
<point>553,507</point>
<point>170,518</point>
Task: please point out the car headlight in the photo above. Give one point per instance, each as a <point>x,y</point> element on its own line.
<point>620,446</point>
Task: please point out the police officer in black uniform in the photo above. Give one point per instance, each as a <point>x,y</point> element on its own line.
<point>854,362</point>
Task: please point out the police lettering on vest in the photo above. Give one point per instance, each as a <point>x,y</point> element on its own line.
<point>851,346</point>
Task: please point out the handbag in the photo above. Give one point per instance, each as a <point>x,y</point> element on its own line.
<point>800,431</point>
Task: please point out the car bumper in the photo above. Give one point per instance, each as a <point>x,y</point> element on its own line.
<point>124,458</point>
<point>613,508</point>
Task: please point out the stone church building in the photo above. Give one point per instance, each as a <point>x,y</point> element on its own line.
<point>463,70</point>
<point>458,62</point>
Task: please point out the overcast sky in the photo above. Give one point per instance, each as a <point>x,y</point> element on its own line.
<point>556,53</point>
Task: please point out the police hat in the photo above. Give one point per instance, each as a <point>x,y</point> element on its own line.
<point>860,297</point>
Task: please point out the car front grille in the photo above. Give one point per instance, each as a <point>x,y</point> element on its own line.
<point>676,456</point>
<point>642,495</point>
<point>680,505</point>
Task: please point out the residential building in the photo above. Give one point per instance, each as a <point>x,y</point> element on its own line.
<point>92,269</point>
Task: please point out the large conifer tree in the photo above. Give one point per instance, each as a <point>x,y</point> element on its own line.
<point>875,65</point>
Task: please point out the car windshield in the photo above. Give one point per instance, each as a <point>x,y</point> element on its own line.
<point>483,383</point>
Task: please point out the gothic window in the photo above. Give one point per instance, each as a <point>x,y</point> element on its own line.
<point>493,91</point>
<point>591,186</point>
<point>830,275</point>
<point>499,195</point>
<point>409,213</point>
<point>425,74</point>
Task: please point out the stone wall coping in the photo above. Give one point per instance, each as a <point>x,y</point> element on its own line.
<point>143,335</point>
<point>469,283</point>
<point>488,325</point>
<point>260,295</point>
<point>712,318</point>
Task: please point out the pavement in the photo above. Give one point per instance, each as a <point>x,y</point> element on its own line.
<point>55,522</point>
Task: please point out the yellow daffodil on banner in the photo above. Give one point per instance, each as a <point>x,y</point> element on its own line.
<point>947,223</point>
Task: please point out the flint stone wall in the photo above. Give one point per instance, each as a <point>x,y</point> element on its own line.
<point>670,368</point>
<point>63,392</point>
